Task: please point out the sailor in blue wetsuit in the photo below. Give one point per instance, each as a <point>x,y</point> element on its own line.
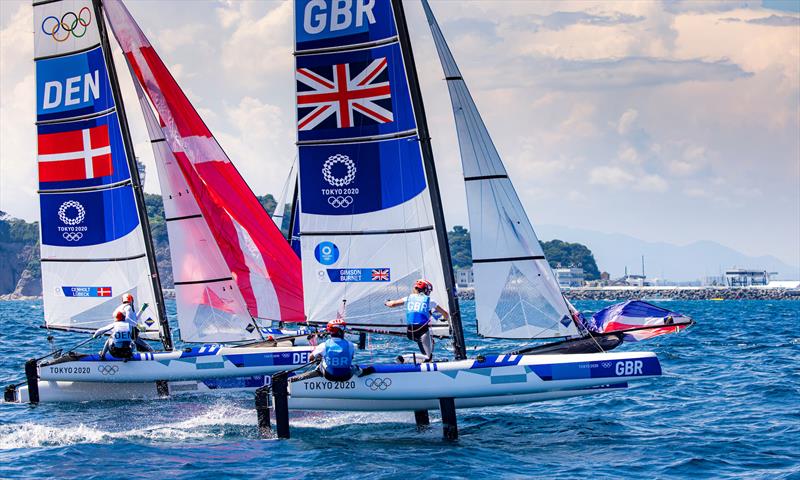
<point>419,311</point>
<point>127,308</point>
<point>335,356</point>
<point>119,338</point>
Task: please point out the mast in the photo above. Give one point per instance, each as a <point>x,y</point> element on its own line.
<point>292,213</point>
<point>459,348</point>
<point>138,188</point>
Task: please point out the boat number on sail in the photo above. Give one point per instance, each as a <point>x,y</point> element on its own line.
<point>329,385</point>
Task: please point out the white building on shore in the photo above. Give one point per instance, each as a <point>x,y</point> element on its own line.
<point>569,277</point>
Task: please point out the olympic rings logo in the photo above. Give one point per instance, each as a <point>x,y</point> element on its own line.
<point>606,364</point>
<point>336,181</point>
<point>72,236</point>
<point>108,369</point>
<point>340,202</point>
<point>80,212</point>
<point>378,383</point>
<point>70,23</point>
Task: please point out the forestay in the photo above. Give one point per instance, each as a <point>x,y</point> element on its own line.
<point>93,246</point>
<point>516,293</point>
<point>366,221</point>
<point>265,270</point>
<point>209,306</point>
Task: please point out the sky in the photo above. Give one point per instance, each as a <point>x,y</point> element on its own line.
<point>675,121</point>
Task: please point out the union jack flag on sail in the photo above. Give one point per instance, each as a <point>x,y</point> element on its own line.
<point>355,93</point>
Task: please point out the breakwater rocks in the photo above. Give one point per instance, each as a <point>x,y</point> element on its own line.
<point>669,293</point>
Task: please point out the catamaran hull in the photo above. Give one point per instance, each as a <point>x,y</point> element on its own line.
<point>67,392</point>
<point>206,361</point>
<point>497,380</point>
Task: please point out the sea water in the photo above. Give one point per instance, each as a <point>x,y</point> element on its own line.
<point>727,406</point>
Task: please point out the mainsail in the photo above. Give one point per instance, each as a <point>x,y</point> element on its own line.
<point>516,293</point>
<point>367,225</point>
<point>260,262</point>
<point>95,242</point>
<point>209,306</point>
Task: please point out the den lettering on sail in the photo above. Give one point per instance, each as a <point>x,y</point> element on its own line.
<point>73,91</point>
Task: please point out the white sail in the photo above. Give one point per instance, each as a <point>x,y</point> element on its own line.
<point>516,292</point>
<point>92,242</point>
<point>366,217</point>
<point>283,203</point>
<point>209,308</point>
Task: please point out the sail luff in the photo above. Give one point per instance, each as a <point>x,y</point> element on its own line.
<point>459,346</point>
<point>516,293</point>
<point>138,188</point>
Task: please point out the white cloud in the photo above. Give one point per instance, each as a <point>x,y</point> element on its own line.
<point>626,121</point>
<point>611,177</point>
<point>257,47</point>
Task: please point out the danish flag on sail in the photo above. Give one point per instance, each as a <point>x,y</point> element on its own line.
<point>343,90</point>
<point>266,270</point>
<point>75,155</point>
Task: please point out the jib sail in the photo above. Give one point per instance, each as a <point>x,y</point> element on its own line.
<point>516,293</point>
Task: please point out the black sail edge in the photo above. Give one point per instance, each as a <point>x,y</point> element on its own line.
<point>138,188</point>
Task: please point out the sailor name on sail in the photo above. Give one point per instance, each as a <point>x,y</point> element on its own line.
<point>341,13</point>
<point>70,92</point>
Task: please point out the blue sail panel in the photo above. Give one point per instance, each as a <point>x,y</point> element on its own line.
<point>81,219</point>
<point>327,24</point>
<point>353,94</point>
<point>80,154</point>
<point>72,85</point>
<point>358,178</point>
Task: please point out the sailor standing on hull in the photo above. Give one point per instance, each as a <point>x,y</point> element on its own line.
<point>128,310</point>
<point>419,311</point>
<point>119,338</point>
<point>335,355</point>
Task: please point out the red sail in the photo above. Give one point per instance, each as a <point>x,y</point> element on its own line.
<point>266,270</point>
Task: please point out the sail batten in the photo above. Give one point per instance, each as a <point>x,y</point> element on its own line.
<point>516,292</point>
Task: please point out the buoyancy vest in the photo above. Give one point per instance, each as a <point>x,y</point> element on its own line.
<point>338,358</point>
<point>418,309</point>
<point>120,334</point>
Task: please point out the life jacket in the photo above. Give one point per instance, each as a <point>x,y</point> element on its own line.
<point>418,310</point>
<point>120,335</point>
<point>338,357</point>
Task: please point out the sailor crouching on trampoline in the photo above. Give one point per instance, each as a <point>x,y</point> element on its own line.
<point>336,355</point>
<point>119,338</point>
<point>419,311</point>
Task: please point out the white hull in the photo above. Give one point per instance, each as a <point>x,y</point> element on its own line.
<point>206,361</point>
<point>499,380</point>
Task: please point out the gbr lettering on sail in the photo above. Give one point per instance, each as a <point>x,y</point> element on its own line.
<point>320,16</point>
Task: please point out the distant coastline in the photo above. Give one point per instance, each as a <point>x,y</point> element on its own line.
<point>617,293</point>
<point>668,293</point>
